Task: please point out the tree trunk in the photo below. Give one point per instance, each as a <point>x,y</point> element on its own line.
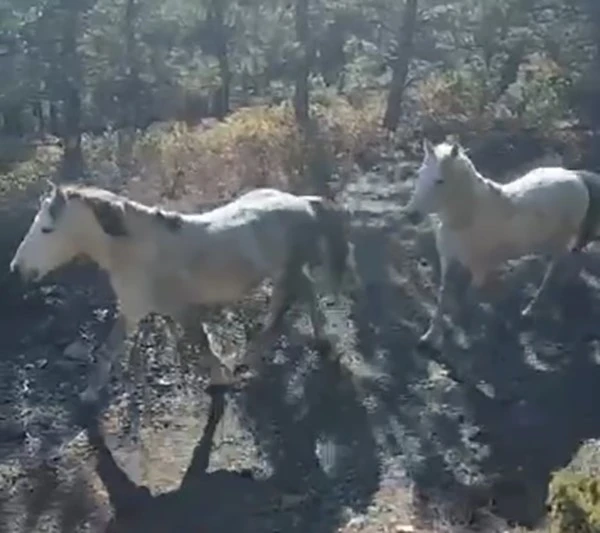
<point>217,16</point>
<point>13,120</point>
<point>54,120</point>
<point>37,110</point>
<point>400,66</point>
<point>71,63</point>
<point>129,93</point>
<point>301,97</point>
<point>510,68</point>
<point>72,156</point>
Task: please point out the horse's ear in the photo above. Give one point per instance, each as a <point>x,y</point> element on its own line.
<point>455,150</point>
<point>50,184</point>
<point>57,203</point>
<point>428,147</point>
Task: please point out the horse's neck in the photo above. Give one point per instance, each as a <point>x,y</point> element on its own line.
<point>493,199</point>
<point>95,249</point>
<point>478,197</point>
<point>460,211</point>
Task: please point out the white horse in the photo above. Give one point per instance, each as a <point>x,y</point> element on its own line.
<point>172,263</point>
<point>480,224</point>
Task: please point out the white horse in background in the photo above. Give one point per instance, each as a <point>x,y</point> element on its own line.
<point>172,263</point>
<point>481,224</point>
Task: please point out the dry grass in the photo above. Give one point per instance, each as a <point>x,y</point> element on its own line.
<point>255,146</point>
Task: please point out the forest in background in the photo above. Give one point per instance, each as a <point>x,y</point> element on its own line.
<point>220,94</point>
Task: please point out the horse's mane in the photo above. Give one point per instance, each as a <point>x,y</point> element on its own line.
<point>89,191</point>
<point>111,209</point>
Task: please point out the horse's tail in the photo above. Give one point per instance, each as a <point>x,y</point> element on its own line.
<point>332,226</point>
<point>590,226</point>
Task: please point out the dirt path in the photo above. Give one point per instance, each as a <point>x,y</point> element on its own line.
<point>307,445</point>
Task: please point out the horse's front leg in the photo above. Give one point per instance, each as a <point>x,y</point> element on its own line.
<point>115,344</point>
<point>433,336</point>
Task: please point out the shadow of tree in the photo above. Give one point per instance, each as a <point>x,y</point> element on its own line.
<point>313,426</point>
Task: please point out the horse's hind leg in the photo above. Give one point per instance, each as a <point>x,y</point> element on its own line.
<point>561,261</point>
<point>283,295</point>
<point>306,289</point>
<point>114,345</point>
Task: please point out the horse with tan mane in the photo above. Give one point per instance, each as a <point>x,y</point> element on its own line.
<point>171,263</point>
<point>480,224</point>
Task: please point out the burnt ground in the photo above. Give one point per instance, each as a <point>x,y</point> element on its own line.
<point>307,444</point>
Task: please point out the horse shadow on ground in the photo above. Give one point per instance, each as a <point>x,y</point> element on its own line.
<point>226,500</point>
<point>512,404</point>
<point>204,501</point>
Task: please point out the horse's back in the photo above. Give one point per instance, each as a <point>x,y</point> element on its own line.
<point>252,207</point>
<point>552,189</point>
<point>543,178</point>
<point>258,229</point>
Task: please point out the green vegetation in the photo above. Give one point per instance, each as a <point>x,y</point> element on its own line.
<point>574,493</point>
<point>574,503</point>
<point>124,88</point>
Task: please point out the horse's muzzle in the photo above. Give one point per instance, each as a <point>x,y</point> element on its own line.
<point>25,275</point>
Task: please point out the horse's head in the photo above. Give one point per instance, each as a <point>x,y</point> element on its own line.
<point>445,174</point>
<point>64,227</point>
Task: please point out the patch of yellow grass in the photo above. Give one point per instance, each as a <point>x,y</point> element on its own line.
<point>255,147</point>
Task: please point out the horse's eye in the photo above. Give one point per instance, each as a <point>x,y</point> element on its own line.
<point>439,182</point>
<point>47,230</point>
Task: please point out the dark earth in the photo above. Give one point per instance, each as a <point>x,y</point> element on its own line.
<point>305,445</point>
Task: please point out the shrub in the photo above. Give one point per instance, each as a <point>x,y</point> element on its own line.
<point>42,161</point>
<point>574,501</point>
<point>458,94</point>
<point>255,146</point>
<point>538,97</point>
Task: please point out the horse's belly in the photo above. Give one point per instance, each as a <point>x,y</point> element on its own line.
<point>541,233</point>
<point>216,284</point>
